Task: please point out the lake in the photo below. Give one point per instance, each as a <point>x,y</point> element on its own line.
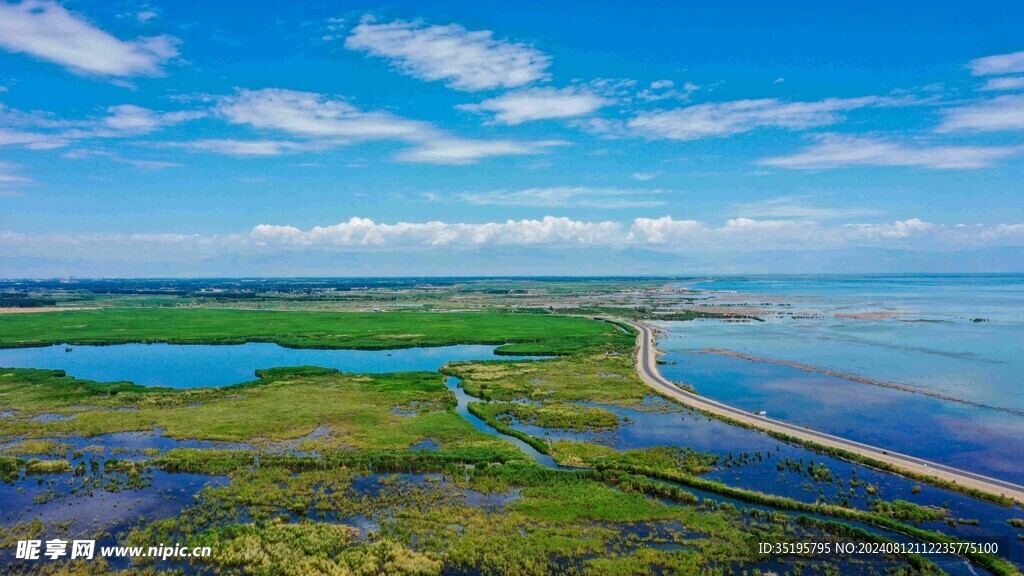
<point>201,366</point>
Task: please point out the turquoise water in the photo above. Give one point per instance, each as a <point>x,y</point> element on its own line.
<point>198,366</point>
<point>914,331</point>
<point>930,340</point>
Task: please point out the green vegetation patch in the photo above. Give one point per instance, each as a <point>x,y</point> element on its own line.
<point>903,510</point>
<point>570,417</point>
<point>523,333</point>
<point>345,410</point>
<point>578,454</point>
<point>37,448</point>
<point>606,376</point>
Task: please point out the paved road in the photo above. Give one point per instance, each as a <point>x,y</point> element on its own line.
<point>647,366</point>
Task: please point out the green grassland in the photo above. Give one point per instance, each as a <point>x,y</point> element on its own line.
<point>518,333</point>
<point>379,411</point>
<point>606,376</point>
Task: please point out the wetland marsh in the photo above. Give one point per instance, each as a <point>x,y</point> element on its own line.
<point>454,461</point>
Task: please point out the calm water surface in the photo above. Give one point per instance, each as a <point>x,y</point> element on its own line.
<point>915,331</point>
<point>199,366</point>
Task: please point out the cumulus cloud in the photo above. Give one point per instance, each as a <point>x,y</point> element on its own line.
<point>46,30</point>
<point>719,119</point>
<point>540,104</point>
<point>771,234</point>
<point>665,234</point>
<point>363,232</point>
<point>899,230</point>
<point>665,230</point>
<point>464,59</point>
<point>644,176</point>
<point>836,151</point>
<point>567,196</point>
<point>998,64</point>
<point>996,114</point>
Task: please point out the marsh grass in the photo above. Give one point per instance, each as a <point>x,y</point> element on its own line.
<point>516,333</point>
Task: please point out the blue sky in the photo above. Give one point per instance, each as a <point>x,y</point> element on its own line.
<point>141,133</point>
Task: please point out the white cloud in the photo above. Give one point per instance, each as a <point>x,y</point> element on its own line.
<point>146,15</point>
<point>540,104</point>
<point>9,177</point>
<point>665,90</point>
<point>326,123</point>
<point>80,154</point>
<point>998,64</point>
<point>835,151</point>
<point>664,230</point>
<point>312,115</point>
<point>899,230</point>
<point>131,119</point>
<point>644,176</point>
<point>233,147</point>
<point>31,140</point>
<point>567,196</point>
<point>33,119</point>
<point>147,164</point>
<point>466,60</point>
<point>363,232</point>
<point>665,234</point>
<point>48,31</point>
<point>469,151</point>
<point>794,207</point>
<point>718,119</point>
<point>1000,113</point>
<point>748,233</point>
<point>37,130</point>
<point>7,174</point>
<point>1005,83</point>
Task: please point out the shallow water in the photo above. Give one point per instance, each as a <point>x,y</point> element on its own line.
<point>685,428</point>
<point>200,366</point>
<point>462,408</point>
<point>98,505</point>
<point>915,330</point>
<point>976,439</point>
